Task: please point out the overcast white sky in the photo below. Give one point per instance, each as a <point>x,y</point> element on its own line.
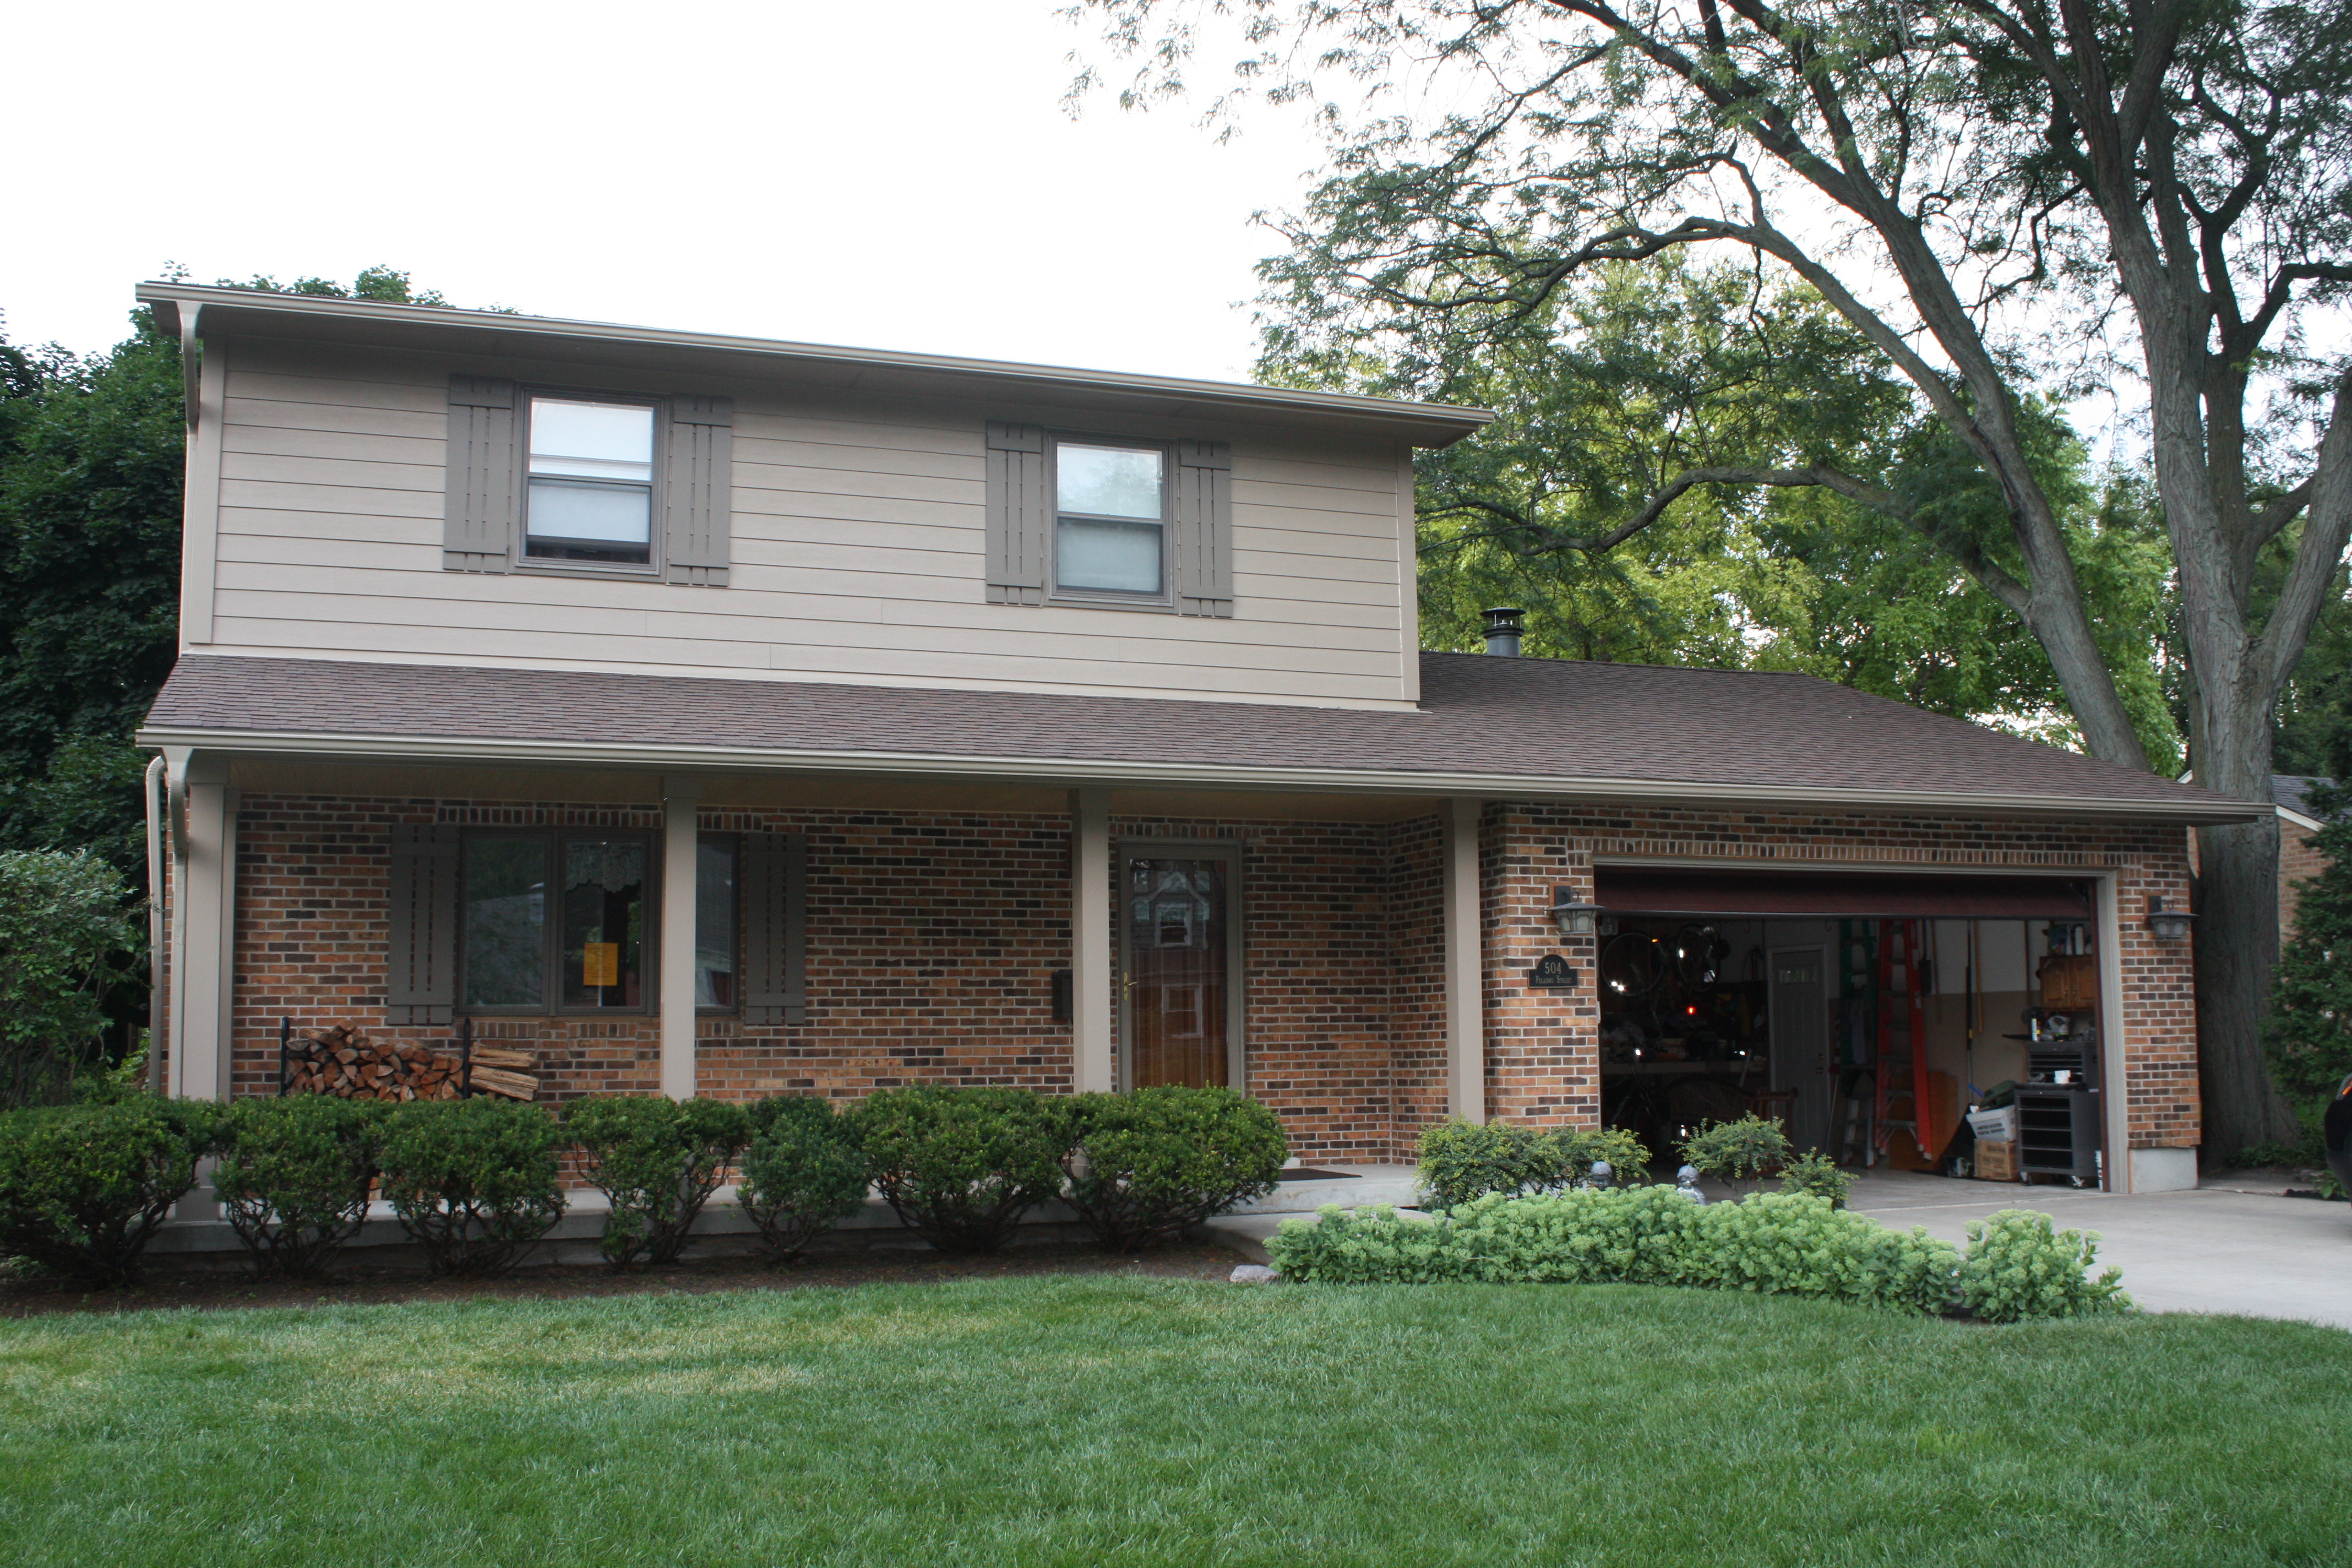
<point>897,175</point>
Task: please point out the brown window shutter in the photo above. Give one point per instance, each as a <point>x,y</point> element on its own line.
<point>421,956</point>
<point>698,490</point>
<point>484,496</point>
<point>1203,520</point>
<point>1019,514</point>
<point>775,880</point>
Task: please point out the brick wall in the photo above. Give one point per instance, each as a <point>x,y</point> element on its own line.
<point>2299,861</point>
<point>1543,1054</point>
<point>932,938</point>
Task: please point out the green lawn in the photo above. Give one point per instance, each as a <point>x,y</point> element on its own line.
<point>1100,1420</point>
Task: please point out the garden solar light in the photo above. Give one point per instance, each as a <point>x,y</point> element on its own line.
<point>1601,1174</point>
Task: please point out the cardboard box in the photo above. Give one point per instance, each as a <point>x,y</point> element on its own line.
<point>1996,1162</point>
<point>1994,1126</point>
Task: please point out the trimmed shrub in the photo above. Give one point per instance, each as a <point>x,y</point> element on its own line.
<point>2019,1266</point>
<point>1775,1243</point>
<point>656,1161</point>
<point>961,1165</point>
<point>802,1171</point>
<point>1150,1164</point>
<point>1815,1173</point>
<point>1582,1147</point>
<point>1460,1161</point>
<point>83,1187</point>
<point>1739,1152</point>
<point>475,1182</point>
<point>294,1176</point>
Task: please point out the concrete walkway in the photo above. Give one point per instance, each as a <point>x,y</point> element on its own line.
<point>2220,1249</point>
<point>2228,1247</point>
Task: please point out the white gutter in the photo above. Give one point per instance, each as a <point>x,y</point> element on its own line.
<point>1067,772</point>
<point>187,298</point>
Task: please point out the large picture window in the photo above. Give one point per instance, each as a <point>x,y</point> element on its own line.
<point>556,921</point>
<point>562,921</point>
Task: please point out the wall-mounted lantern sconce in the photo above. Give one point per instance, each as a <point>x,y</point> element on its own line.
<point>2167,925</point>
<point>1574,917</point>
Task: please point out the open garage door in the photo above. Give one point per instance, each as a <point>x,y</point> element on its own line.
<point>1850,895</point>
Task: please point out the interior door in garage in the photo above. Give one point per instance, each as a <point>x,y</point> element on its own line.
<point>1800,1043</point>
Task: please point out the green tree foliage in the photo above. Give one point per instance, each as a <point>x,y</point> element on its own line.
<point>65,929</point>
<point>1631,376</point>
<point>2310,1025</point>
<point>90,451</point>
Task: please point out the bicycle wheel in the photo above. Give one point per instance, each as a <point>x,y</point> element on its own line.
<point>1700,953</point>
<point>1631,967</point>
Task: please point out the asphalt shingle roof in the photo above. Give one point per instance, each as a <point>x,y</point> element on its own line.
<point>1634,724</point>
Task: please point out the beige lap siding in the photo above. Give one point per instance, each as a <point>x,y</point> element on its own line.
<point>1543,1051</point>
<point>933,936</point>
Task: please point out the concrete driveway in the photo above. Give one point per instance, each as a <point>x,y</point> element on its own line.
<point>2231,1246</point>
<point>2223,1247</point>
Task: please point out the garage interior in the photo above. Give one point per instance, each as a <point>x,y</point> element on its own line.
<point>1831,1001</point>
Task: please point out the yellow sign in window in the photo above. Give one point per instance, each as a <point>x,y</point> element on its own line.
<point>601,964</point>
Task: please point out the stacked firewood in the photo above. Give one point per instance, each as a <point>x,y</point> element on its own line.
<point>344,1062</point>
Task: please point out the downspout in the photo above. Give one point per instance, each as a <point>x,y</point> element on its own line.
<point>191,360</point>
<point>157,773</point>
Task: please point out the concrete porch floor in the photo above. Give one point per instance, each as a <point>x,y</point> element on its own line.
<point>2226,1247</point>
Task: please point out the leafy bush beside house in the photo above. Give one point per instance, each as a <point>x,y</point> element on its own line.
<point>656,1161</point>
<point>84,1187</point>
<point>477,1183</point>
<point>802,1171</point>
<point>1147,1165</point>
<point>960,1166</point>
<point>1771,1244</point>
<point>67,934</point>
<point>294,1176</point>
<point>1459,1160</point>
<point>1739,1154</point>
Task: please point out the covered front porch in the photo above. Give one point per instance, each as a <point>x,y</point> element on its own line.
<point>1320,951</point>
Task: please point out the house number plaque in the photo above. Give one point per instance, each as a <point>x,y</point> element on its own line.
<point>1552,973</point>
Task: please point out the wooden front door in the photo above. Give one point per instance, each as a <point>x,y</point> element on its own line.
<point>1180,966</point>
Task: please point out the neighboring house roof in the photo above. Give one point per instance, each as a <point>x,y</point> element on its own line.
<point>186,308</point>
<point>1522,728</point>
<point>2293,792</point>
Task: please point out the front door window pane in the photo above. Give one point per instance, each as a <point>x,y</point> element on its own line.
<point>714,923</point>
<point>602,958</point>
<point>506,922</point>
<point>1176,978</point>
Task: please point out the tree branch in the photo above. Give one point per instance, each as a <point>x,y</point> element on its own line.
<point>2319,556</point>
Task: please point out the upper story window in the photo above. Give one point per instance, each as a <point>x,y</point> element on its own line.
<point>590,490</point>
<point>1128,523</point>
<point>589,483</point>
<point>1110,518</point>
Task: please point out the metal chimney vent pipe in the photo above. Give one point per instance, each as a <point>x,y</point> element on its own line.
<point>1503,632</point>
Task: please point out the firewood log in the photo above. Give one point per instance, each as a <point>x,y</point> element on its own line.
<point>513,1085</point>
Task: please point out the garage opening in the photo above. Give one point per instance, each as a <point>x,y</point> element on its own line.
<point>1871,1013</point>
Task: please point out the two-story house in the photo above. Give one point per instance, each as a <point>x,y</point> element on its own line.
<point>707,715</point>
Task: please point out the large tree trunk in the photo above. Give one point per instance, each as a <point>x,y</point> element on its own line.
<point>2237,949</point>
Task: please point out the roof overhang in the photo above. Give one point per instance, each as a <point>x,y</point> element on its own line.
<point>231,312</point>
<point>1075,772</point>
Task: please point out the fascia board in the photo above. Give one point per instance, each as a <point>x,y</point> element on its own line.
<point>225,311</point>
<point>1075,771</point>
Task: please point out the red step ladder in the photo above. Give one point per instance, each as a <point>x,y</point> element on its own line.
<point>1899,1102</point>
